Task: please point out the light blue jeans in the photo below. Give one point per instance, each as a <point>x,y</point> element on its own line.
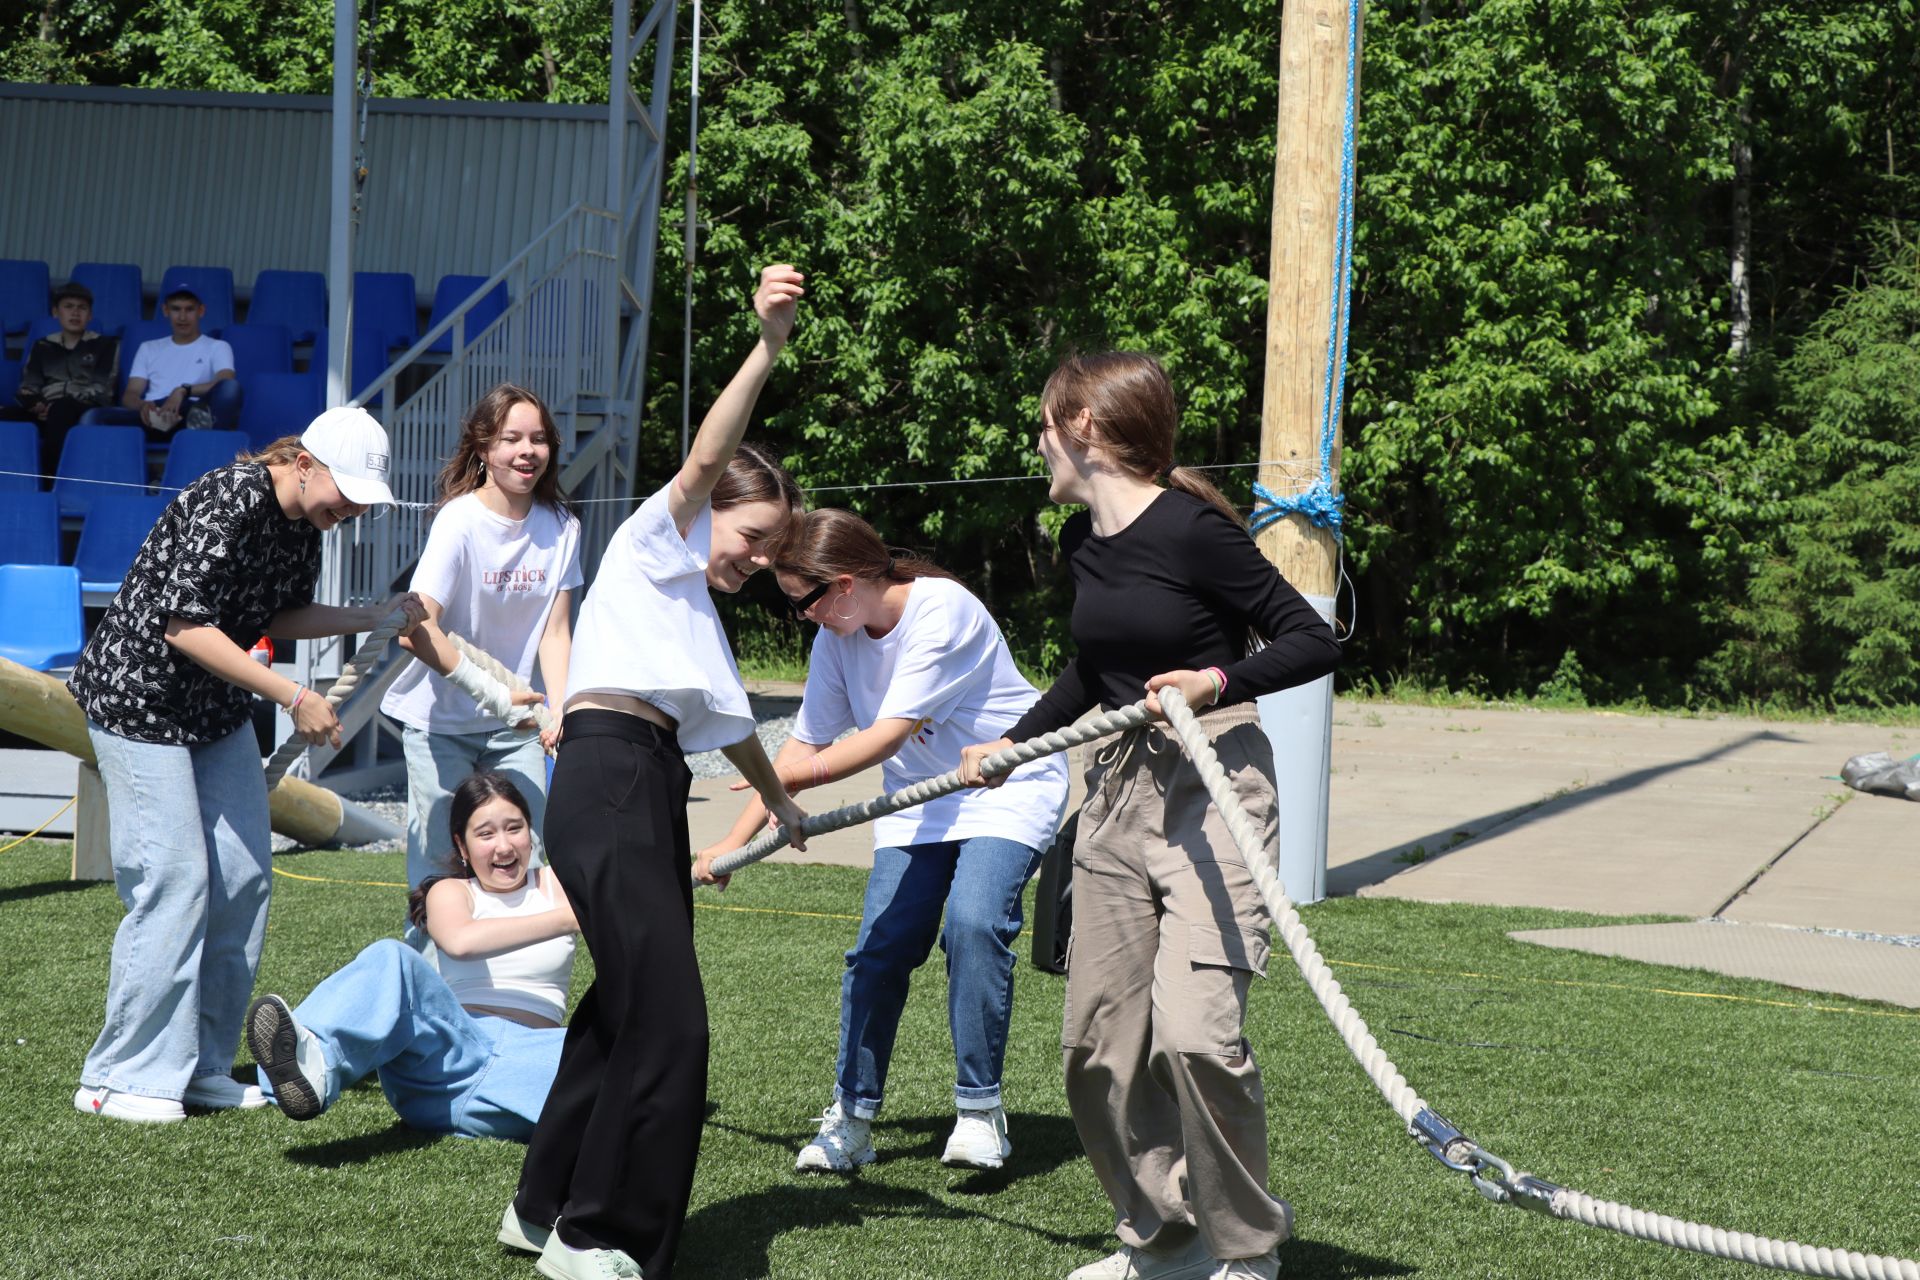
<point>191,848</point>
<point>444,1070</point>
<point>977,883</point>
<point>439,762</point>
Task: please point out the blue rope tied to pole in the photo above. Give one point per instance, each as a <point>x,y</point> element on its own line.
<point>1319,503</point>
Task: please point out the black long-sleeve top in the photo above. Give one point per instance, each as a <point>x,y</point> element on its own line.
<point>1178,589</point>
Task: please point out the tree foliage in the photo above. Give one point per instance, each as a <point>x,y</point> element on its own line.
<point>1561,473</point>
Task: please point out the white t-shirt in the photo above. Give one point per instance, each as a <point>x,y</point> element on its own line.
<point>533,978</point>
<point>945,667</point>
<point>496,580</point>
<point>167,364</point>
<point>649,629</point>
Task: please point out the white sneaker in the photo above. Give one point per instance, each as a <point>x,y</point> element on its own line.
<point>561,1261</point>
<point>1264,1267</point>
<point>517,1232</point>
<point>223,1093</point>
<point>1192,1263</point>
<point>844,1143</point>
<point>127,1106</point>
<point>289,1056</point>
<point>979,1140</point>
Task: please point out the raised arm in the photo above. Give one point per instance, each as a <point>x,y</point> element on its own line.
<point>775,302</point>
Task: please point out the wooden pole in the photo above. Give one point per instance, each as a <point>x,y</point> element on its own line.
<point>37,706</point>
<point>1302,394</point>
<point>1306,262</point>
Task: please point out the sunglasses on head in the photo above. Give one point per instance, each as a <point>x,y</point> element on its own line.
<point>799,607</point>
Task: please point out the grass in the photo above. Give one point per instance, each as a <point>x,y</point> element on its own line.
<point>1759,1109</point>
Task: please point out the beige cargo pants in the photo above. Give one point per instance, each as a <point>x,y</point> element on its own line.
<point>1168,932</point>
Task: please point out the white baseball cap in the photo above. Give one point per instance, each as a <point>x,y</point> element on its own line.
<point>354,447</point>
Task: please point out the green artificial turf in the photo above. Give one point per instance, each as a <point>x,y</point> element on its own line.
<point>1769,1111</point>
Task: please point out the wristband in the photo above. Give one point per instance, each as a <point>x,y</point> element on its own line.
<point>819,767</point>
<point>1220,678</point>
<point>299,692</point>
<point>493,697</point>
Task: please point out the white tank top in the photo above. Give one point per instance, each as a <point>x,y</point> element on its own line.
<point>533,978</point>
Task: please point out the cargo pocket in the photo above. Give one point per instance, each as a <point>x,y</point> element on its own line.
<point>1209,1012</point>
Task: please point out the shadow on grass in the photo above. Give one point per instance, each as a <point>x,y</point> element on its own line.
<point>363,1148</point>
<point>45,888</point>
<point>1313,1260</point>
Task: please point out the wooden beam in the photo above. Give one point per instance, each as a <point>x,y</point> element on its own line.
<point>1305,265</point>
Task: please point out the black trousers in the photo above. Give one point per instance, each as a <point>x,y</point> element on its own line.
<point>612,1157</point>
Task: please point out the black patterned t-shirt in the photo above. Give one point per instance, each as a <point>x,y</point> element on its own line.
<point>223,554</point>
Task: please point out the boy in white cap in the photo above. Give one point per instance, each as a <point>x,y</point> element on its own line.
<point>186,378</point>
<point>168,689</point>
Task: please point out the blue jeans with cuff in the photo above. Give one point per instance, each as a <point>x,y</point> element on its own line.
<point>191,847</point>
<point>445,1070</point>
<point>976,883</point>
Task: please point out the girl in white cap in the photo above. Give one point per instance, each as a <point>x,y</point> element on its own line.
<point>167,688</point>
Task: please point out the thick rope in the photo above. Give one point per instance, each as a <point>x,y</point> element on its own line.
<point>287,752</point>
<point>1505,1187</point>
<point>1495,1179</point>
<point>1000,762</point>
<point>542,714</point>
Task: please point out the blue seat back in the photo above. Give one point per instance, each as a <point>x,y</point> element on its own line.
<point>296,299</point>
<point>30,529</point>
<point>116,293</point>
<point>194,453</point>
<point>42,327</point>
<point>454,290</point>
<point>25,292</point>
<point>213,284</point>
<point>10,371</point>
<point>19,450</point>
<point>281,404</point>
<point>385,307</point>
<point>40,615</point>
<point>99,460</point>
<point>112,535</point>
<point>258,349</point>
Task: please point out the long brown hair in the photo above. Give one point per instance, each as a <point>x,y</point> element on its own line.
<point>826,543</point>
<point>466,470</point>
<point>1135,418</point>
<point>754,475</point>
<point>474,790</point>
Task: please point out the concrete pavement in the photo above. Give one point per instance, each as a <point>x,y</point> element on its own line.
<point>1740,820</point>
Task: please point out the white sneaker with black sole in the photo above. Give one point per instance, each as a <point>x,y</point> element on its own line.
<point>979,1140</point>
<point>289,1056</point>
<point>131,1107</point>
<point>844,1143</point>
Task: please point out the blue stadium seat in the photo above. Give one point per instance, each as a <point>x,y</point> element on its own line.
<point>19,452</point>
<point>99,460</point>
<point>30,529</point>
<point>454,290</point>
<point>112,535</point>
<point>296,299</point>
<point>194,453</point>
<point>40,615</point>
<point>116,293</point>
<point>41,327</point>
<point>10,371</point>
<point>25,293</point>
<point>213,284</point>
<point>281,404</point>
<point>369,360</point>
<point>385,307</point>
<point>258,349</point>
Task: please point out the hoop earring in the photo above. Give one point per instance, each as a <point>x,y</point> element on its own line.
<point>835,610</point>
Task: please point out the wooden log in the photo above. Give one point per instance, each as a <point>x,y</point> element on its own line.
<point>92,837</point>
<point>1306,254</point>
<point>35,705</point>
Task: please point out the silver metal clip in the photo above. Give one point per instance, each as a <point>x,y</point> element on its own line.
<point>1443,1142</point>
